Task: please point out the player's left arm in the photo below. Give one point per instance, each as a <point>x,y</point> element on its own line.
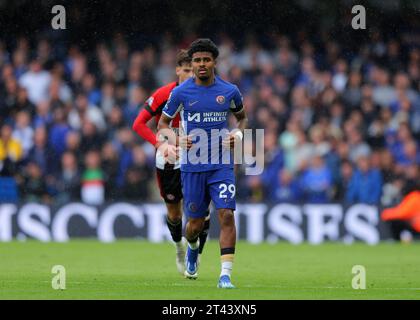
<point>242,120</point>
<point>237,134</point>
<point>238,110</point>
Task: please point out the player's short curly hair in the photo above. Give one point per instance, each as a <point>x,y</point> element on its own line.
<point>182,57</point>
<point>203,45</point>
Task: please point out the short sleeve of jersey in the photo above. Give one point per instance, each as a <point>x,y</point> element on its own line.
<point>173,105</point>
<point>236,104</point>
<point>151,105</point>
<point>157,100</point>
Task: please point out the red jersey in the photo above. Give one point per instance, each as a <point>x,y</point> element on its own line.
<point>153,108</point>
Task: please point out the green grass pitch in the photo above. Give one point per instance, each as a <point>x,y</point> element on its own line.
<point>141,270</point>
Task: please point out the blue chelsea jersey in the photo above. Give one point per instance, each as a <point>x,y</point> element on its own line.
<point>204,114</point>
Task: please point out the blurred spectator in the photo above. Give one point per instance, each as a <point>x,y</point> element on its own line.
<point>412,179</point>
<point>357,147</point>
<point>59,92</point>
<point>256,191</point>
<point>319,144</point>
<point>110,165</point>
<point>115,122</point>
<point>383,93</point>
<point>73,144</point>
<point>42,154</point>
<point>10,155</point>
<point>137,98</point>
<point>8,97</point>
<point>410,154</point>
<point>34,187</point>
<point>352,94</point>
<point>392,191</point>
<point>136,177</point>
<point>11,151</point>
<point>387,166</point>
<point>316,181</point>
<point>287,188</point>
<point>23,104</point>
<point>91,138</point>
<point>19,63</point>
<point>58,133</point>
<point>337,114</point>
<point>36,81</point>
<point>107,97</point>
<point>346,173</point>
<point>273,163</point>
<point>90,89</point>
<point>84,110</point>
<point>124,141</point>
<point>23,132</point>
<point>366,183</point>
<point>340,79</point>
<point>43,117</point>
<point>68,182</point>
<point>93,180</point>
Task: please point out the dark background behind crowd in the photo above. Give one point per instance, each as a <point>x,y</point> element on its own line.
<point>340,107</point>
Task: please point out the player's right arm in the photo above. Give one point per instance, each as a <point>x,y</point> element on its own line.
<point>141,128</point>
<point>151,107</point>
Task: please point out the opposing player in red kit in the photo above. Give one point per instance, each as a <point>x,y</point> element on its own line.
<point>169,175</point>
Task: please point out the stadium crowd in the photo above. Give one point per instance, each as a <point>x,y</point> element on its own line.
<point>339,126</point>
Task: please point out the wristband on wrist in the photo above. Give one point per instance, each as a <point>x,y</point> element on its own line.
<point>239,134</point>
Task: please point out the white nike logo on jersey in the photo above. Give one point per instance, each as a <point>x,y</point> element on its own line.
<point>192,103</point>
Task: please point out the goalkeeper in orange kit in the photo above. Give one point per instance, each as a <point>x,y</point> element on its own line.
<point>406,213</point>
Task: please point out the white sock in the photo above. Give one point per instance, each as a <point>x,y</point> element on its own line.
<point>226,268</point>
<point>179,245</point>
<point>194,245</point>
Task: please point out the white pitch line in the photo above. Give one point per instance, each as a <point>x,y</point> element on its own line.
<point>195,284</point>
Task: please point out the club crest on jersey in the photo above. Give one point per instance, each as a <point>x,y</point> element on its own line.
<point>220,99</point>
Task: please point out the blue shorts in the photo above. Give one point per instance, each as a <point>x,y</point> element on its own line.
<point>199,188</point>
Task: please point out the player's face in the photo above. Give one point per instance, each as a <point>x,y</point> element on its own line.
<point>184,72</point>
<point>203,65</point>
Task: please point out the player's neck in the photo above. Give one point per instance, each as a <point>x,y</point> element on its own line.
<point>205,83</point>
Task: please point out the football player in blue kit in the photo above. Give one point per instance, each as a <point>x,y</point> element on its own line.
<point>204,102</point>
